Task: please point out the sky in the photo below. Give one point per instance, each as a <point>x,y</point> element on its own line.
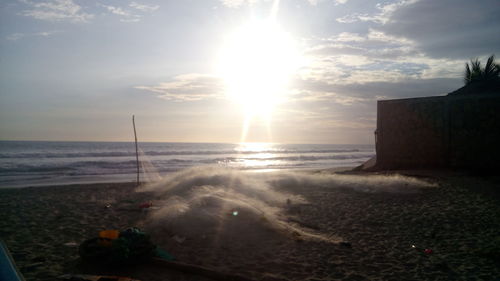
<point>78,70</point>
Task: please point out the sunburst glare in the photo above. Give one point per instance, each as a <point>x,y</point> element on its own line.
<point>256,63</point>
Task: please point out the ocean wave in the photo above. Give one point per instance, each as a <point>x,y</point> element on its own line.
<point>129,166</point>
<point>86,167</point>
<point>35,169</point>
<point>162,153</point>
<point>290,158</point>
<point>22,161</point>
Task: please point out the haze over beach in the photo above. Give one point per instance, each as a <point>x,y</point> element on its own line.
<point>249,140</point>
<point>77,71</point>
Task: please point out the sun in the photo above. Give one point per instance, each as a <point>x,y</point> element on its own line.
<point>256,63</point>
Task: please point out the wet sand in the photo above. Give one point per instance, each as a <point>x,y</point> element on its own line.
<point>458,221</point>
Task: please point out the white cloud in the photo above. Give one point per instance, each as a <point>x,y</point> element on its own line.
<point>375,35</point>
<point>374,45</point>
<point>143,7</point>
<point>351,18</point>
<point>188,87</point>
<point>344,68</point>
<point>238,3</point>
<point>56,10</point>
<point>135,18</point>
<point>350,60</point>
<point>341,60</point>
<point>457,29</point>
<point>18,36</point>
<point>362,123</point>
<point>382,16</point>
<point>439,68</point>
<point>373,58</point>
<point>315,2</point>
<point>128,15</point>
<point>350,37</point>
<point>117,11</point>
<point>341,1</point>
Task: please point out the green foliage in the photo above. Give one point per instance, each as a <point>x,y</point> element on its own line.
<point>475,73</point>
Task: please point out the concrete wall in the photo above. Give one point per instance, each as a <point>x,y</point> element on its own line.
<point>446,131</point>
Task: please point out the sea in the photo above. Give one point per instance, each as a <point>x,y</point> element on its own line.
<point>39,163</point>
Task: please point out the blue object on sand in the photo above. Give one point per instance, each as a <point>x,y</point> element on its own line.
<point>8,269</point>
<point>164,254</point>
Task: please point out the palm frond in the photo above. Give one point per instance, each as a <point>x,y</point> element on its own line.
<point>475,73</point>
<point>476,66</point>
<point>467,75</point>
<point>489,68</point>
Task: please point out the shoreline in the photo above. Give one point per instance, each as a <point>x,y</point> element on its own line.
<point>129,178</point>
<point>41,226</point>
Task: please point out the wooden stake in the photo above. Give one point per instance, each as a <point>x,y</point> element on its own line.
<point>136,150</point>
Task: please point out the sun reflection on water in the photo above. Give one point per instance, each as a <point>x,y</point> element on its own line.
<point>256,155</point>
<point>255,147</point>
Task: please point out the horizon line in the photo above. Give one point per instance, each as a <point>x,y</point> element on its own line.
<point>201,142</point>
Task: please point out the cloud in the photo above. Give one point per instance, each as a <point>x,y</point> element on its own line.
<point>143,7</point>
<point>449,28</point>
<point>239,3</point>
<point>348,69</point>
<point>381,62</point>
<point>354,93</point>
<point>117,10</point>
<point>455,29</point>
<point>376,56</point>
<point>128,15</point>
<point>18,36</point>
<point>188,87</point>
<point>382,16</point>
<point>337,2</point>
<point>374,44</point>
<point>56,10</point>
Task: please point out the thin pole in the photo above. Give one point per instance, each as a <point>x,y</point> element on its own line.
<point>136,149</point>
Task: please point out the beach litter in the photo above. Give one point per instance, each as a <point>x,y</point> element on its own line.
<point>71,244</point>
<point>146,205</point>
<point>130,246</point>
<point>427,251</point>
<point>162,254</point>
<point>106,237</point>
<point>8,268</point>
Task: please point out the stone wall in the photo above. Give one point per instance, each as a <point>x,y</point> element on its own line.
<point>445,131</point>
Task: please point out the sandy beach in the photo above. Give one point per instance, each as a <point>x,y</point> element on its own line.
<point>448,230</point>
